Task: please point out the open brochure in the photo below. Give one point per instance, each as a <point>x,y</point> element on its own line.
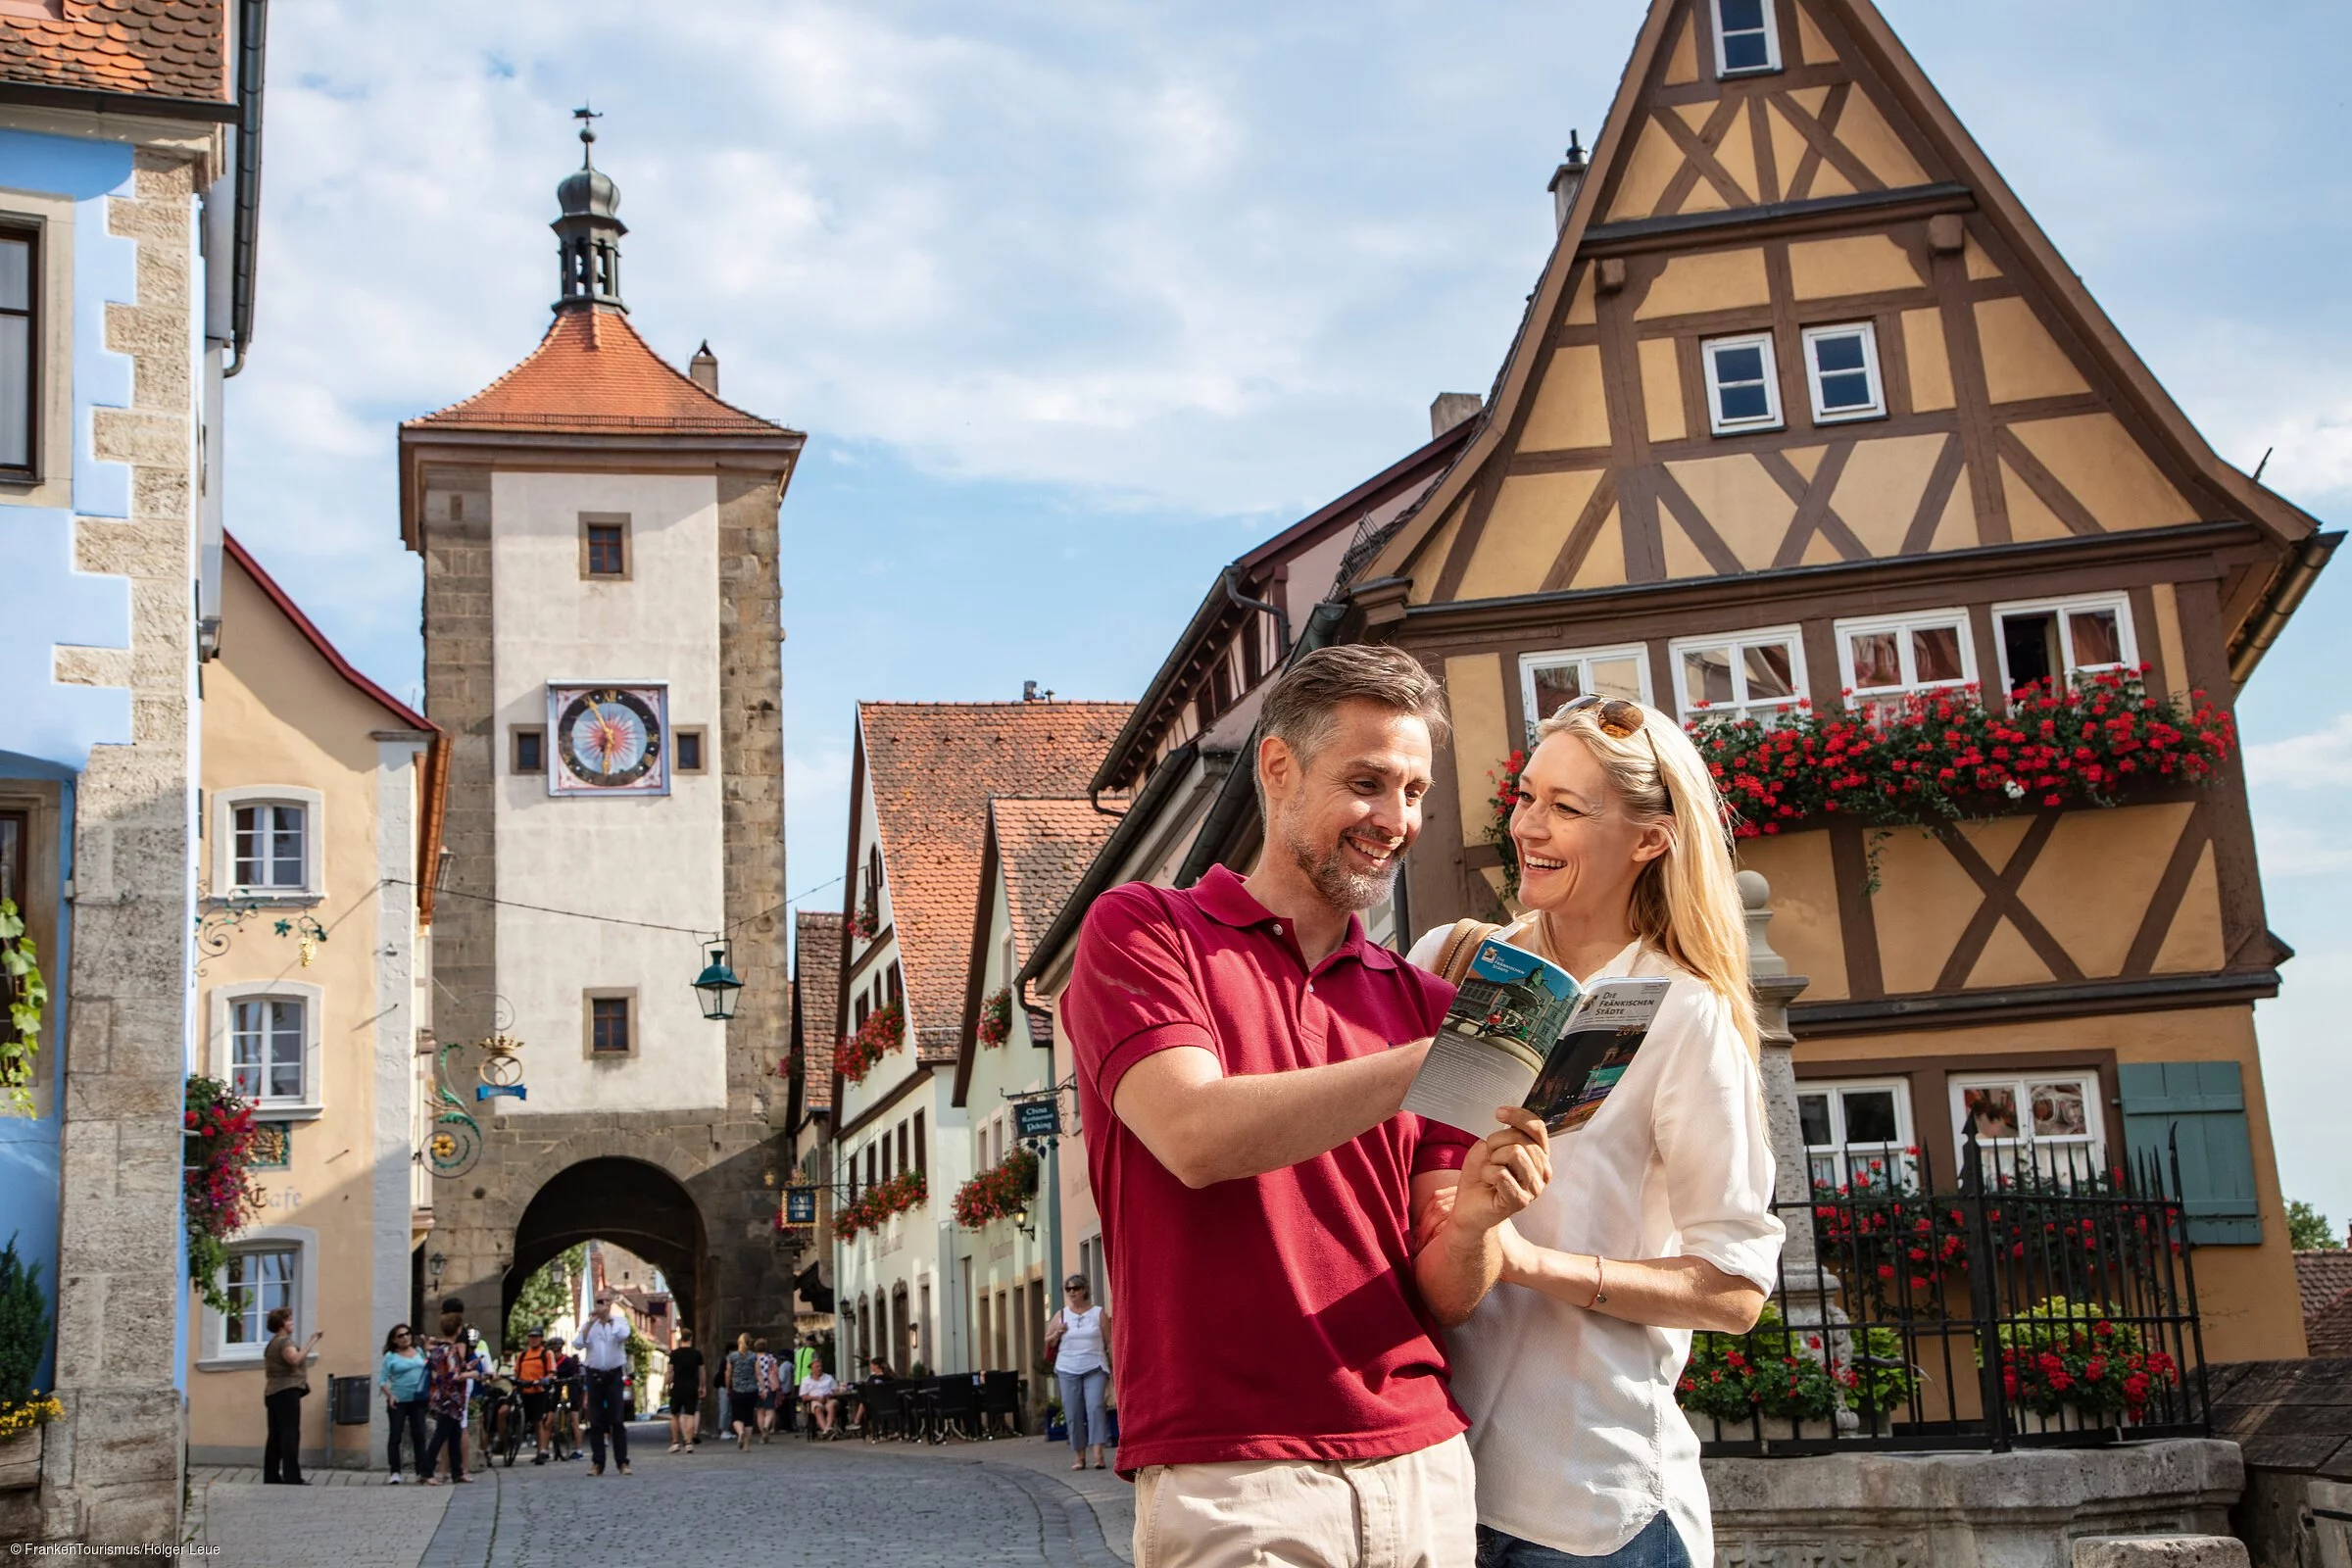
<point>1522,1032</point>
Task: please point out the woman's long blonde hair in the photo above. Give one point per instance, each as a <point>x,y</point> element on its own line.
<point>1685,902</point>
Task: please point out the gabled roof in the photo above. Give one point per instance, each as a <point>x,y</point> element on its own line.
<point>2323,1278</point>
<point>592,375</point>
<point>932,768</point>
<point>433,801</point>
<point>169,48</point>
<point>1040,849</point>
<point>1629,155</point>
<point>816,941</point>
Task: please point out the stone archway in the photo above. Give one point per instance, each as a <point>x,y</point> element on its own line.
<point>626,1202</point>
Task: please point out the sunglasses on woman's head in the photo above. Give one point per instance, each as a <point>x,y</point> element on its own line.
<point>1618,719</point>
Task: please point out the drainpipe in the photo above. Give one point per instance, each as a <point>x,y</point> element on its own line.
<point>2294,582</point>
<point>253,27</point>
<point>1282,616</point>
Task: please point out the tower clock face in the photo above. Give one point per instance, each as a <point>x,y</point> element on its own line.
<point>608,740</point>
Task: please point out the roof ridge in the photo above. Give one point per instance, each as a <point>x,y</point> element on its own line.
<point>588,327</point>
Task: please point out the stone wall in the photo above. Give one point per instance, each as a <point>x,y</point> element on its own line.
<point>112,1469</point>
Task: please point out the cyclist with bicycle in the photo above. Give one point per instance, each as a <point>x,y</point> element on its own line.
<point>535,1379</point>
<point>571,1399</point>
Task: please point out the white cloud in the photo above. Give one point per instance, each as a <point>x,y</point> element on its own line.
<point>2318,760</point>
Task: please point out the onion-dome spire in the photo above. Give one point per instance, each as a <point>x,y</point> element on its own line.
<point>588,233</point>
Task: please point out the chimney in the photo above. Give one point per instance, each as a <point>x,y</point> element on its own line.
<point>1451,409</point>
<point>703,368</point>
<point>1566,182</point>
<point>1029,692</point>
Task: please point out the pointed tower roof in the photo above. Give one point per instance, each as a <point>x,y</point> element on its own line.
<point>592,375</point>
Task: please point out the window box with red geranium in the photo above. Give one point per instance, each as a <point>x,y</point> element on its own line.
<point>996,1017</point>
<point>882,1032</point>
<point>1000,1192</point>
<point>870,1209</point>
<point>2072,1363</point>
<point>866,922</point>
<point>218,1135</point>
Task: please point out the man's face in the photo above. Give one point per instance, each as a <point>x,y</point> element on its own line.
<point>603,1306</point>
<point>1345,814</point>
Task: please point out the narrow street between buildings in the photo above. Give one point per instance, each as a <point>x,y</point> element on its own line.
<point>974,1505</point>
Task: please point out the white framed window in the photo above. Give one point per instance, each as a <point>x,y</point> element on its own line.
<point>1842,370</point>
<point>268,1266</point>
<point>2046,1121</point>
<point>2050,641</point>
<point>1743,391</point>
<point>265,842</point>
<point>1548,680</point>
<point>265,1045</point>
<point>1858,1133</point>
<point>1887,655</point>
<point>1753,672</point>
<point>1746,39</point>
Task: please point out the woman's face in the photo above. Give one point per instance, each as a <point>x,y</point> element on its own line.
<point>1579,848</point>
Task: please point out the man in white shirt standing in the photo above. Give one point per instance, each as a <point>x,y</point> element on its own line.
<point>605,1349</point>
<point>821,1395</point>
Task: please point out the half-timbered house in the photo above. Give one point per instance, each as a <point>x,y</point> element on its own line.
<point>1805,407</point>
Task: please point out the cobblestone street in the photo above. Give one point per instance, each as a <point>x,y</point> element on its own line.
<point>788,1503</point>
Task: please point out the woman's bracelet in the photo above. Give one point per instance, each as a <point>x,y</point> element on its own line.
<point>1600,1282</point>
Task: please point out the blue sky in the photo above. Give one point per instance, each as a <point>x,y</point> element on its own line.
<point>1079,301</point>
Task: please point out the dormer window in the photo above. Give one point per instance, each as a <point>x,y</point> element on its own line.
<point>1742,387</point>
<point>1842,370</point>
<point>1745,40</point>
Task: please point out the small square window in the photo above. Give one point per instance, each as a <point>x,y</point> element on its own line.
<point>612,1028</point>
<point>1889,655</point>
<point>1742,387</point>
<point>271,848</point>
<point>686,752</point>
<point>1756,672</point>
<point>605,546</point>
<point>1842,368</point>
<point>266,1047</point>
<point>1548,681</point>
<point>1857,1134</point>
<point>2048,644</point>
<point>1745,40</point>
<point>531,749</point>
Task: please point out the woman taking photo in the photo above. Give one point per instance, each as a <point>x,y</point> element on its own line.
<point>286,1380</point>
<point>404,1373</point>
<point>1657,1219</point>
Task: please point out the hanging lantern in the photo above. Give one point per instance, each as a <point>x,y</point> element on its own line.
<point>717,985</point>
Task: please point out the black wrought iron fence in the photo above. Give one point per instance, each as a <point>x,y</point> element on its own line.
<point>2048,1296</point>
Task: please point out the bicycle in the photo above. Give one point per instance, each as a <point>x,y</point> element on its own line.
<point>563,1431</point>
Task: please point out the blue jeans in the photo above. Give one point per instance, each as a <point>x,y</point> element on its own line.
<point>1657,1544</point>
<point>1082,1407</point>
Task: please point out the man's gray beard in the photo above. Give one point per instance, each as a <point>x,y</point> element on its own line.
<point>1350,892</point>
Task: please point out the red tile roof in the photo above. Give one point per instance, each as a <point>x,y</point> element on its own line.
<point>933,767</point>
<point>2324,1279</point>
<point>169,48</point>
<point>1045,847</point>
<point>816,990</point>
<point>592,375</point>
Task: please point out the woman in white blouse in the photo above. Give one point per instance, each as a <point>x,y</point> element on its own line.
<point>1657,1220</point>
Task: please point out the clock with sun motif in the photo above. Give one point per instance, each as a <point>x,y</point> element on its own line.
<point>608,740</point>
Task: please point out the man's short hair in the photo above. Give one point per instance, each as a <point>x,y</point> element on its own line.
<point>1302,706</point>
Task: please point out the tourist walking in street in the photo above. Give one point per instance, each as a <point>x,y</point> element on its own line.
<point>771,1388</point>
<point>685,1393</point>
<point>1660,1219</point>
<point>605,1348</point>
<point>535,1381</point>
<point>743,1390</point>
<point>403,1376</point>
<point>1243,1048</point>
<point>449,1387</point>
<point>1077,1342</point>
<point>285,1381</point>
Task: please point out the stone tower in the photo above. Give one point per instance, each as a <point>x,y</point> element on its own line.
<point>601,633</point>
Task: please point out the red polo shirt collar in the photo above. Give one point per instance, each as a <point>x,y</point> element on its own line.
<point>1225,898</point>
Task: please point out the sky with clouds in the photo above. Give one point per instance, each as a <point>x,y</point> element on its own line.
<point>1078,301</point>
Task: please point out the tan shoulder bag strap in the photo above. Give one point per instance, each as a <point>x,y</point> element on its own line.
<point>1453,959</point>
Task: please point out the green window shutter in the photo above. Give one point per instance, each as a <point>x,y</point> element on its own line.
<point>2202,1107</point>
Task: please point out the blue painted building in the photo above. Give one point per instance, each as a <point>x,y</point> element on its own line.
<point>130,165</point>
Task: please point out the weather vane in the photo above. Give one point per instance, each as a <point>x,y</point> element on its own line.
<point>586,116</point>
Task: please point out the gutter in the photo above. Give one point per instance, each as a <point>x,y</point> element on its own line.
<point>2285,593</point>
<point>253,29</point>
<point>1222,828</point>
<point>97,101</point>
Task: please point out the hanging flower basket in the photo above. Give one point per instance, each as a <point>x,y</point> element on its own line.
<point>996,1017</point>
<point>997,1192</point>
<point>869,1209</point>
<point>882,1032</point>
<point>218,1133</point>
<point>865,920</point>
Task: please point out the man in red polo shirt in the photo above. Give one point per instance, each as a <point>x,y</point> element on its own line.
<point>1243,1051</point>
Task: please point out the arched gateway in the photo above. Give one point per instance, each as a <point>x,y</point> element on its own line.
<point>600,635</point>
